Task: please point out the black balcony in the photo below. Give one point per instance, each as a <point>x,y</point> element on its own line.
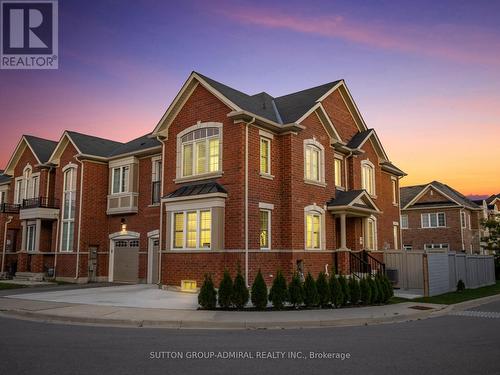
<point>9,208</point>
<point>155,192</point>
<point>40,202</point>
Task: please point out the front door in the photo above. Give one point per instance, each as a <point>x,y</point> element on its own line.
<point>153,255</point>
<point>126,261</point>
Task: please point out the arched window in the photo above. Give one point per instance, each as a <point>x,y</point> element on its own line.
<point>314,169</point>
<point>68,219</point>
<point>368,177</point>
<point>370,233</point>
<point>200,151</point>
<point>314,227</point>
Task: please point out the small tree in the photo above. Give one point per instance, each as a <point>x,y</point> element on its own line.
<point>311,297</point>
<point>225,290</point>
<point>259,292</point>
<point>374,291</point>
<point>240,291</point>
<point>296,291</point>
<point>278,294</point>
<point>354,290</point>
<point>336,295</point>
<point>323,289</point>
<point>345,290</point>
<point>460,286</point>
<point>207,298</point>
<point>389,288</point>
<point>365,291</point>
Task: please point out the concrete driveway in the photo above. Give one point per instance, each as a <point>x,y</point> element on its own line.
<point>141,295</point>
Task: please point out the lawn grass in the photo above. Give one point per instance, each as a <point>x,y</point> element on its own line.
<point>466,295</point>
<point>11,286</point>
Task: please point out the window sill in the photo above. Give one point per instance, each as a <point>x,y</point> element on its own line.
<point>395,204</point>
<point>154,205</point>
<point>317,183</point>
<point>205,176</point>
<point>339,187</point>
<point>267,176</point>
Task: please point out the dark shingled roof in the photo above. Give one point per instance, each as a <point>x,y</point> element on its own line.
<point>284,109</point>
<point>138,144</point>
<point>343,198</point>
<point>492,198</point>
<point>94,146</point>
<point>43,148</point>
<point>197,189</point>
<point>410,192</point>
<point>359,138</point>
<point>4,178</point>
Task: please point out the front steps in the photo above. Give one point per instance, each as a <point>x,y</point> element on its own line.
<point>29,276</point>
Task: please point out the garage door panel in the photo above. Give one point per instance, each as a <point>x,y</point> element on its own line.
<point>126,263</point>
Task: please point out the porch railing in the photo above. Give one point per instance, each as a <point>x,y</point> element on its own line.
<point>40,202</point>
<point>362,264</point>
<point>9,208</point>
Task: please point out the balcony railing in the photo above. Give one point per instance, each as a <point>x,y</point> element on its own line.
<point>155,192</point>
<point>40,202</point>
<point>9,208</point>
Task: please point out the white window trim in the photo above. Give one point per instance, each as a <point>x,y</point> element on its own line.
<point>365,164</point>
<point>394,188</point>
<point>269,226</point>
<point>375,234</point>
<point>434,246</point>
<point>317,210</point>
<point>429,220</point>
<point>198,230</point>
<point>18,199</point>
<point>32,226</point>
<point>321,162</point>
<point>269,146</point>
<point>396,235</point>
<point>68,169</point>
<point>120,179</point>
<point>180,178</point>
<point>463,220</point>
<point>407,222</point>
<point>341,159</point>
<point>154,161</point>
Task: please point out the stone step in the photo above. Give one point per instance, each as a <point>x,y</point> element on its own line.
<point>29,276</point>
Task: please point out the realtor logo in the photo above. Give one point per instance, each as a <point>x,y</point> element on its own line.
<point>29,37</point>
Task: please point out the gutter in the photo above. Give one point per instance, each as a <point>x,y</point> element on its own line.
<point>246,198</point>
<point>9,220</point>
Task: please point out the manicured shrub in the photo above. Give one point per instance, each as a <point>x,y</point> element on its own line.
<point>323,289</point>
<point>389,289</point>
<point>365,291</point>
<point>278,294</point>
<point>225,290</point>
<point>460,286</point>
<point>207,298</point>
<point>311,297</point>
<point>374,291</point>
<point>354,290</point>
<point>345,290</point>
<point>240,291</point>
<point>259,292</point>
<point>336,295</point>
<point>295,291</point>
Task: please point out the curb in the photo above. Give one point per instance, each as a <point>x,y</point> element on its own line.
<point>467,304</point>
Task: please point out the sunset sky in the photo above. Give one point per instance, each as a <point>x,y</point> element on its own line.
<point>425,74</point>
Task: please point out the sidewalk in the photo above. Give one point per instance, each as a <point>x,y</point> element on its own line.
<point>167,318</point>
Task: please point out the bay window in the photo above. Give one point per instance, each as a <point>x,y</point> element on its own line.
<point>120,182</point>
<point>192,229</point>
<point>200,150</point>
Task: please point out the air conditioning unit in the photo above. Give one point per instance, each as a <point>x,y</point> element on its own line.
<point>392,275</point>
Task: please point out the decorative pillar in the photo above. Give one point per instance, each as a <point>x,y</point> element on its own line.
<point>343,236</point>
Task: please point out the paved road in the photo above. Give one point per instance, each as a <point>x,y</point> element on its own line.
<point>445,345</point>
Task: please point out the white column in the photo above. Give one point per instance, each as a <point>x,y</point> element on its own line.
<point>343,236</point>
<point>38,229</point>
<point>23,240</point>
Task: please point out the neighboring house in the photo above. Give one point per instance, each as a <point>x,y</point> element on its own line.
<point>490,211</point>
<point>436,216</point>
<point>225,180</point>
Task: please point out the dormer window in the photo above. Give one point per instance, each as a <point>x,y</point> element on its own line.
<point>200,152</point>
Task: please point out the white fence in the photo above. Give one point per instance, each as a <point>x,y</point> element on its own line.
<point>437,272</point>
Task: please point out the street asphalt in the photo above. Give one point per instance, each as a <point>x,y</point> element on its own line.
<point>442,345</point>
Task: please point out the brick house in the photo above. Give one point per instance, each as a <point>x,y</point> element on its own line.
<point>436,216</point>
<point>490,211</point>
<point>226,179</point>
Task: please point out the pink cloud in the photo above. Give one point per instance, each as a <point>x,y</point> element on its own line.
<point>442,41</point>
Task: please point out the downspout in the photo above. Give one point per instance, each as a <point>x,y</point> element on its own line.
<point>399,205</point>
<point>57,247</point>
<point>246,198</point>
<point>77,271</point>
<point>345,170</point>
<point>160,237</point>
<point>9,220</point>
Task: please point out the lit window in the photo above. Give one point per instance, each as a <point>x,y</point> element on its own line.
<point>200,152</point>
<point>265,156</point>
<point>338,172</point>
<point>312,161</point>
<point>433,220</point>
<point>68,218</point>
<point>120,179</point>
<point>192,229</point>
<point>404,221</point>
<point>370,234</point>
<point>368,177</point>
<point>313,231</point>
<point>394,191</point>
<point>265,229</point>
